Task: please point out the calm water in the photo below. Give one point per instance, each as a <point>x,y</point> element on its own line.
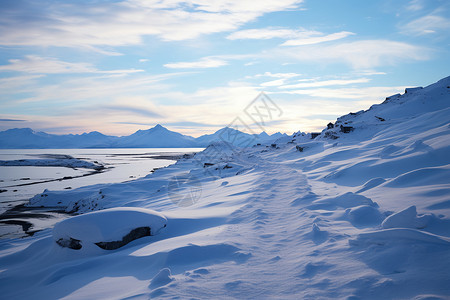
<point>121,164</point>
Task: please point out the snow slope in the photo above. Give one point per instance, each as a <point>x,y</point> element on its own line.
<point>357,215</point>
<point>236,137</point>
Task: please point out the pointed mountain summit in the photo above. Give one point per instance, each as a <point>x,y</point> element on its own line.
<point>156,137</point>
<point>229,135</point>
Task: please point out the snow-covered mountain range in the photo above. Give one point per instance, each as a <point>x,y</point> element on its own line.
<point>156,137</point>
<point>360,212</point>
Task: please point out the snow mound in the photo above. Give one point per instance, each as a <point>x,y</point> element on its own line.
<point>364,216</point>
<point>371,184</point>
<point>399,235</point>
<point>407,218</point>
<point>164,277</point>
<point>423,176</point>
<point>346,200</point>
<point>109,229</point>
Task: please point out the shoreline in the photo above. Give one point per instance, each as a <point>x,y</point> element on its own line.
<point>21,215</point>
<point>60,179</point>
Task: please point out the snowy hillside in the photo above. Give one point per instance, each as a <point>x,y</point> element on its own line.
<point>360,212</point>
<point>236,137</point>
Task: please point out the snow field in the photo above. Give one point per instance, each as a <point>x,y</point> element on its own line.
<point>363,216</point>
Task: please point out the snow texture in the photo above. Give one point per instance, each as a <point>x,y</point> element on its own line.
<point>358,214</point>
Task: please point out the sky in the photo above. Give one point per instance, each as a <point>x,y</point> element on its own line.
<point>116,66</point>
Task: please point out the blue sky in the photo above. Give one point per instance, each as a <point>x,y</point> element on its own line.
<point>194,66</point>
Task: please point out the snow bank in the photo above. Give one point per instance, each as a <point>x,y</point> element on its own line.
<point>109,229</point>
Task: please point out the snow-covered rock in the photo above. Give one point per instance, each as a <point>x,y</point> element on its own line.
<point>108,229</point>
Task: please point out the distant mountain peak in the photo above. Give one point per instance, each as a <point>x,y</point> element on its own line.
<point>263,134</point>
<point>22,130</point>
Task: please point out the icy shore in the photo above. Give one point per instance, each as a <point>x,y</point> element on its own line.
<point>359,213</point>
<point>65,161</point>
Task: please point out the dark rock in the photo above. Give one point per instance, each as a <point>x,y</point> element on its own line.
<point>300,149</point>
<point>207,165</point>
<point>411,90</point>
<point>346,129</point>
<point>133,235</point>
<point>330,125</point>
<point>70,243</point>
<point>380,118</point>
<point>314,135</point>
<point>331,135</point>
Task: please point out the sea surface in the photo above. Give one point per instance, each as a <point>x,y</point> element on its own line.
<point>23,182</point>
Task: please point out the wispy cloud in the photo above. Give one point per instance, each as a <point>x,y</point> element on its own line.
<point>93,24</point>
<point>313,84</point>
<point>133,109</point>
<point>369,94</point>
<point>276,75</point>
<point>270,33</point>
<point>318,39</point>
<point>415,5</point>
<point>428,24</point>
<point>95,88</point>
<point>276,82</point>
<point>364,54</point>
<point>206,62</point>
<point>294,37</point>
<point>281,78</point>
<point>46,65</point>
<point>11,84</point>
